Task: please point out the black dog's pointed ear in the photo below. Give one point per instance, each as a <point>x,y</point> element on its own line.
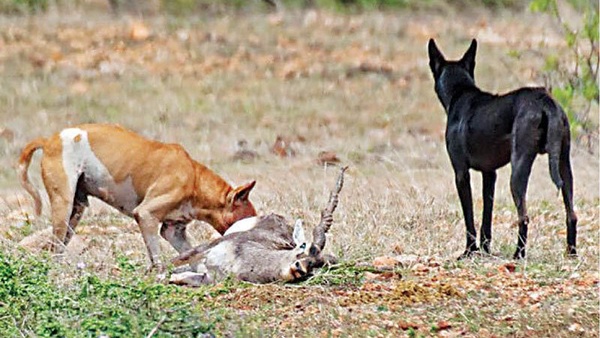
<point>436,59</point>
<point>468,60</point>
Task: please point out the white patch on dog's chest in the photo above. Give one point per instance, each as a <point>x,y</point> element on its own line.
<point>79,158</point>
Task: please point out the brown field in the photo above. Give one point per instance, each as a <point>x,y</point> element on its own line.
<point>357,85</point>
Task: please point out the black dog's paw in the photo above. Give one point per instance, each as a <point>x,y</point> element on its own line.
<point>571,252</point>
<point>485,247</point>
<point>468,253</point>
<point>519,254</point>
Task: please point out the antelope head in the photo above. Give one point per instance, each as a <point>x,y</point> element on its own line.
<point>308,255</point>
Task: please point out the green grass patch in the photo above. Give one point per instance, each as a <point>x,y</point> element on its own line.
<point>33,303</point>
<point>345,273</point>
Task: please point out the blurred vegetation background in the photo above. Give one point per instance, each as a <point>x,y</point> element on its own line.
<point>573,81</point>
<point>189,6</point>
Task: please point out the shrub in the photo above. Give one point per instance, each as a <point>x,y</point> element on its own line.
<point>574,80</point>
<point>23,6</point>
<point>33,303</point>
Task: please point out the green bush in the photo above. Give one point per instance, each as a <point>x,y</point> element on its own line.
<point>32,303</point>
<point>576,88</point>
<point>390,4</point>
<point>186,7</point>
<point>23,6</point>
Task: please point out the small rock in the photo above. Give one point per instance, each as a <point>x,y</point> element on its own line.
<point>7,134</point>
<point>420,267</point>
<point>282,147</point>
<point>370,276</point>
<point>385,263</point>
<point>243,153</point>
<point>576,327</point>
<point>508,267</point>
<point>404,325</point>
<point>443,325</point>
<point>327,157</point>
<point>138,31</point>
<point>407,259</point>
<point>42,240</point>
<point>398,249</point>
<point>79,87</point>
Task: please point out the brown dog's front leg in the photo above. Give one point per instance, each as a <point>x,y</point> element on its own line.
<point>148,216</point>
<point>149,229</point>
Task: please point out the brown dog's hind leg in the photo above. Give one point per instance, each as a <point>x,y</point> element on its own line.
<point>61,197</point>
<point>61,209</point>
<point>76,213</point>
<point>80,202</point>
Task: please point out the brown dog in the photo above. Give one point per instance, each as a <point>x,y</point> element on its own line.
<point>151,181</point>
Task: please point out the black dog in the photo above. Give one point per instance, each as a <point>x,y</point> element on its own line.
<point>485,131</point>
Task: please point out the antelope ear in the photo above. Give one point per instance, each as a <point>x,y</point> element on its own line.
<point>436,59</point>
<point>298,235</point>
<point>468,60</point>
<point>241,193</point>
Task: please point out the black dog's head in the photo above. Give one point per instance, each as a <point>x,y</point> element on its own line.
<point>451,76</point>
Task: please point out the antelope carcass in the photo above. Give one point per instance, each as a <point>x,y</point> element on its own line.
<point>272,250</point>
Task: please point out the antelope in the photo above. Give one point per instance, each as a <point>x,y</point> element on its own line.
<point>271,250</point>
<point>158,184</point>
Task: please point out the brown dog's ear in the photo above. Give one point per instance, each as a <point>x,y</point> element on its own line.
<point>468,60</point>
<point>241,193</point>
<point>436,59</point>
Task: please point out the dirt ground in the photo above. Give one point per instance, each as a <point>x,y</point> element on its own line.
<point>356,85</point>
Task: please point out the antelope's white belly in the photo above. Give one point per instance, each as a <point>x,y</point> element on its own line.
<point>242,225</point>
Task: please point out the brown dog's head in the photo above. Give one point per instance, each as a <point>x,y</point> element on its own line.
<point>237,206</point>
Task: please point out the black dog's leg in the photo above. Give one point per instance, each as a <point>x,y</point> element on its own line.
<point>489,182</point>
<point>567,193</point>
<point>463,184</point>
<point>521,169</point>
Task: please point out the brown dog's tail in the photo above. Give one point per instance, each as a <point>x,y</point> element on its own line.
<point>557,124</point>
<point>24,161</point>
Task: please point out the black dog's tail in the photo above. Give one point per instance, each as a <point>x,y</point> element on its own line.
<point>554,137</point>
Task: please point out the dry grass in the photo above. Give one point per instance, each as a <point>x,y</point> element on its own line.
<point>210,82</point>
